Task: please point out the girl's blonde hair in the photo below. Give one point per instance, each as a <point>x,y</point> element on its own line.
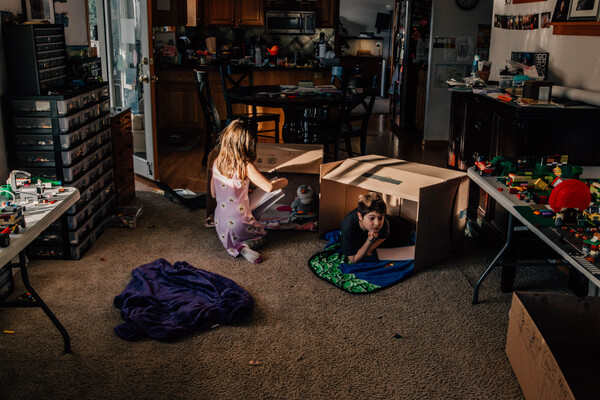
<point>238,149</point>
<point>371,201</point>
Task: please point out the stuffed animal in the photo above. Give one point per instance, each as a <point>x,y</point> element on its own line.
<point>306,202</point>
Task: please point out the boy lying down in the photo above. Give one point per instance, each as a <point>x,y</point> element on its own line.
<point>368,226</point>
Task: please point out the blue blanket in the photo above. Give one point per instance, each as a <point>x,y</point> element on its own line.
<point>165,301</point>
<point>367,276</point>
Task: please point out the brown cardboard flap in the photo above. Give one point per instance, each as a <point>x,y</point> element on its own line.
<point>286,157</point>
<point>390,176</point>
<point>553,343</point>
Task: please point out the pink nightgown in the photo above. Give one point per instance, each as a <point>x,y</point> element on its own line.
<point>234,221</point>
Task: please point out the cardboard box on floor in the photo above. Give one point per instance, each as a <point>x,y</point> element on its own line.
<point>299,163</point>
<point>434,199</point>
<point>553,345</point>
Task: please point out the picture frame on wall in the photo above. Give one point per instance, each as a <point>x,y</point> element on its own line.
<point>584,10</point>
<point>40,10</point>
<point>561,11</point>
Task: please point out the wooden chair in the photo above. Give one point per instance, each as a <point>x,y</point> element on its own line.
<point>212,122</point>
<point>349,120</point>
<point>236,78</point>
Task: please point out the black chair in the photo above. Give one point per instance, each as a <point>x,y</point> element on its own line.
<point>238,77</point>
<point>349,120</point>
<point>212,122</point>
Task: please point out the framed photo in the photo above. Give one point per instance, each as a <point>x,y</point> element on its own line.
<point>584,10</point>
<point>40,10</point>
<point>561,11</point>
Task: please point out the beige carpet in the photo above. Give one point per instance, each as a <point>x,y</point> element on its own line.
<point>419,339</point>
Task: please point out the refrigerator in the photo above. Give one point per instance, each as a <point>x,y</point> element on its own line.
<point>410,54</point>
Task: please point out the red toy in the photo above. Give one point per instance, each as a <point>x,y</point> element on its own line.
<point>570,193</point>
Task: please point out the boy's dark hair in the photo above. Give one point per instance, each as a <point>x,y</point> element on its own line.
<point>371,202</point>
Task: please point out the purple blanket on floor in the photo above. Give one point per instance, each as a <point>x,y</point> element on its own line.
<point>165,301</point>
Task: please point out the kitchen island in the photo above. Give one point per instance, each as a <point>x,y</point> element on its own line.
<point>178,110</point>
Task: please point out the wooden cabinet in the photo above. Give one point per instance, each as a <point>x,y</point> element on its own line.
<point>327,13</point>
<point>234,12</point>
<point>122,145</point>
<point>169,12</point>
<point>177,104</point>
<point>482,125</point>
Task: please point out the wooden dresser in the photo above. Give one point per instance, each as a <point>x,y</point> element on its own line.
<point>122,144</point>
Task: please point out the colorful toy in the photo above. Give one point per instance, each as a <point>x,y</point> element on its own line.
<point>11,216</point>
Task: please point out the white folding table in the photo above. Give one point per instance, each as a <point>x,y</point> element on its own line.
<point>553,237</point>
<point>37,219</point>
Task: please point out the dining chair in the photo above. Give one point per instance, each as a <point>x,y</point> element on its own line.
<point>239,77</point>
<point>351,118</point>
<point>212,122</point>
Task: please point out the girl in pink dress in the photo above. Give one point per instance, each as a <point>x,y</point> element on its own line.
<point>233,170</point>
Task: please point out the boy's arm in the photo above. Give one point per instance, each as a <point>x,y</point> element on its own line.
<point>259,180</point>
<point>366,249</point>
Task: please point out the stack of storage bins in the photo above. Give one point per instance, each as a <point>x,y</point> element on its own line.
<point>66,137</point>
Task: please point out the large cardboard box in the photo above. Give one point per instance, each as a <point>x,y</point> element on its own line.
<point>553,345</point>
<point>434,199</point>
<point>299,163</point>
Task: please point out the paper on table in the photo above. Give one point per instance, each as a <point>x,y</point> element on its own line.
<point>397,253</point>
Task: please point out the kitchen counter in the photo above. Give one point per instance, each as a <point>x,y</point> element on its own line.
<point>178,109</point>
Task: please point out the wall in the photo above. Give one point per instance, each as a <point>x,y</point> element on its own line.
<point>448,21</point>
<point>574,61</point>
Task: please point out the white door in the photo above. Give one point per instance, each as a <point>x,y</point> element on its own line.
<point>131,73</point>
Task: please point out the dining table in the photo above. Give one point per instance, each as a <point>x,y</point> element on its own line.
<point>293,100</point>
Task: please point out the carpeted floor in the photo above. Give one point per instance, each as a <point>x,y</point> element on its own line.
<point>421,338</point>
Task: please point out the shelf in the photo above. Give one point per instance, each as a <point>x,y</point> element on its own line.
<point>579,28</point>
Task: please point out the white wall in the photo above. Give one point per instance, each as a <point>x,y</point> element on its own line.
<point>449,21</point>
<point>574,61</point>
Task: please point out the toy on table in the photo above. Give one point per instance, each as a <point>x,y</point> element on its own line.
<point>306,202</point>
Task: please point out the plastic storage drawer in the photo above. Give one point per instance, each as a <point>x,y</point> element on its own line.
<point>74,155</point>
<point>35,158</point>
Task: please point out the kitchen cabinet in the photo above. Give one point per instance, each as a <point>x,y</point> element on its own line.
<point>178,107</point>
<point>177,104</point>
<point>234,12</point>
<point>170,13</point>
<point>367,66</point>
<point>327,13</point>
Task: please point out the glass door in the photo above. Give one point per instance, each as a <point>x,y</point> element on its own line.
<point>131,74</point>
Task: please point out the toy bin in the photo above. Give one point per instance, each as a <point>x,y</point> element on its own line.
<point>34,141</point>
<point>125,217</point>
<point>35,158</point>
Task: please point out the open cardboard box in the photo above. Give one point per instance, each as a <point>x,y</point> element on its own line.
<point>553,345</point>
<point>299,163</point>
<point>434,199</point>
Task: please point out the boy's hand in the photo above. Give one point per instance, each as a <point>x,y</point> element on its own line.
<point>373,235</point>
<point>284,182</point>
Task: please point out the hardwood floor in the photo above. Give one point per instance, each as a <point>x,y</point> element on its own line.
<point>184,169</point>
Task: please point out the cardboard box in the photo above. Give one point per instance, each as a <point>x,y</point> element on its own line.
<point>553,345</point>
<point>434,199</point>
<point>299,163</point>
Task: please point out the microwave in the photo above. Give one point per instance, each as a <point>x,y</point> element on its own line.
<point>291,22</point>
